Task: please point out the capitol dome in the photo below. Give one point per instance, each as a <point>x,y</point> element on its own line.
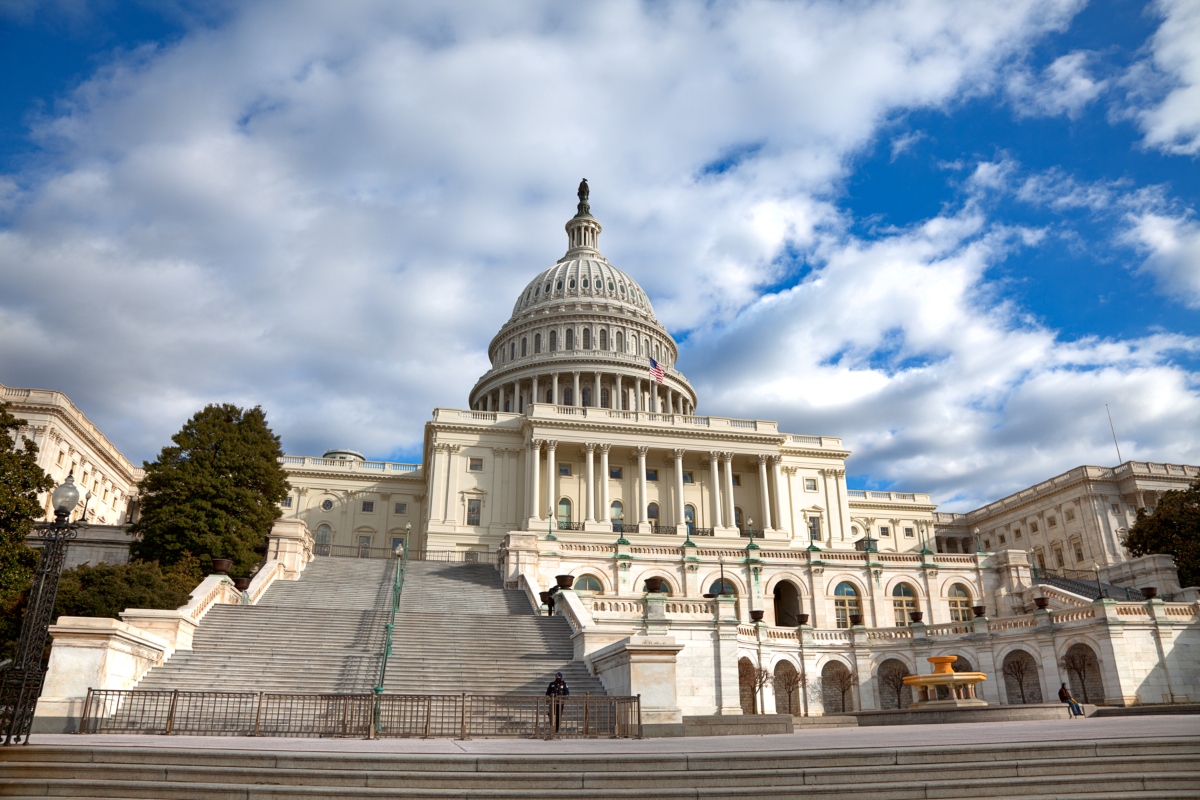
<point>583,333</point>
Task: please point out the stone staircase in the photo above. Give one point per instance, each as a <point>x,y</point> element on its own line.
<point>1165,768</point>
<point>322,633</point>
<point>459,630</point>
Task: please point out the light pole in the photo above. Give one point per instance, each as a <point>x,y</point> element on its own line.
<point>21,681</point>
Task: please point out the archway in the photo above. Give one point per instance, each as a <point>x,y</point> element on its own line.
<point>746,686</point>
<point>1083,673</point>
<point>845,603</point>
<point>788,688</point>
<point>960,604</point>
<point>893,691</point>
<point>837,688</point>
<point>1021,683</point>
<point>904,602</point>
<point>324,541</point>
<point>962,664</point>
<point>787,604</point>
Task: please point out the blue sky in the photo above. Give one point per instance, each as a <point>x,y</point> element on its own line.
<point>948,232</point>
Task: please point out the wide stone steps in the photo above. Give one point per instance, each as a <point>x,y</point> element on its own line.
<point>1149,769</point>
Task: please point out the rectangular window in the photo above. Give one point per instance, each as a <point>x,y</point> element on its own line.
<point>364,547</point>
<point>987,544</point>
<point>909,533</point>
<point>1058,557</point>
<point>1052,522</point>
<point>475,464</point>
<point>1033,526</point>
<point>564,470</point>
<point>1116,509</point>
<point>1002,539</point>
<point>884,530</point>
<point>287,502</point>
<point>688,478</point>
<point>814,528</point>
<point>61,456</point>
<point>402,509</point>
<point>397,543</point>
<point>1078,552</point>
<point>368,506</point>
<point>615,473</point>
<point>810,484</point>
<point>651,474</point>
<point>1041,560</point>
<point>1069,514</point>
<point>473,508</point>
<point>737,480</point>
<point>1016,533</point>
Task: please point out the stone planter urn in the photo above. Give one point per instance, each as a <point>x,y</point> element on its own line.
<point>980,611</point>
<point>1150,592</point>
<point>545,597</point>
<point>565,581</point>
<point>654,585</point>
<point>221,566</point>
<point>1041,602</point>
<point>802,619</point>
<point>916,616</point>
<point>856,619</point>
<point>709,595</point>
<point>756,615</point>
<point>241,584</point>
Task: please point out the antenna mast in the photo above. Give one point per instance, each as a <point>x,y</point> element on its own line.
<point>1114,433</point>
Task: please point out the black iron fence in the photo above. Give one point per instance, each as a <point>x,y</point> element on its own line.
<point>461,716</point>
<point>349,551</point>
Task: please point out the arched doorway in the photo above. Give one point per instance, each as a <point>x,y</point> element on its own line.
<point>962,664</point>
<point>689,516</point>
<point>747,686</point>
<point>1021,683</point>
<point>893,691</point>
<point>324,541</point>
<point>788,689</point>
<point>837,688</point>
<point>564,514</point>
<point>616,515</point>
<point>787,604</point>
<point>1083,673</point>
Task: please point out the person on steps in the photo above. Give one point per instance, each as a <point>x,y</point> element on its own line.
<point>557,689</point>
<point>1073,707</point>
<point>550,601</point>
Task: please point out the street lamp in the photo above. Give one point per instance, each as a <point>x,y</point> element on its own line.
<point>621,523</point>
<point>21,682</point>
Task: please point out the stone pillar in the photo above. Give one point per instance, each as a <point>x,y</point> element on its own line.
<point>725,670</point>
<point>714,460</point>
<point>500,399</point>
<point>642,502</point>
<point>596,389</point>
<point>654,409</point>
<point>437,477</point>
<point>619,398</point>
<point>679,515</point>
<point>451,482</point>
<point>730,515</point>
<point>605,504</point>
<point>533,391</point>
<point>764,493</point>
<point>589,449</point>
<point>576,399</point>
<point>780,520</point>
<point>535,480</point>
<point>551,479</point>
<point>554,398</point>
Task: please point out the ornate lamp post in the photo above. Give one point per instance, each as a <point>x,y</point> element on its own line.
<point>21,682</point>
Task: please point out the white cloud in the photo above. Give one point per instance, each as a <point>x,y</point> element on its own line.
<point>1066,86</point>
<point>1165,88</point>
<point>1172,247</point>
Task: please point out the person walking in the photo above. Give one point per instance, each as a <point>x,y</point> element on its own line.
<point>557,690</point>
<point>1073,707</point>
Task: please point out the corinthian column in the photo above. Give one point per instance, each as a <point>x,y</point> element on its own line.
<point>605,510</point>
<point>643,504</point>
<point>589,449</point>
<point>714,461</point>
<point>551,478</point>
<point>730,512</point>
<point>764,493</point>
<point>535,478</point>
<point>679,516</point>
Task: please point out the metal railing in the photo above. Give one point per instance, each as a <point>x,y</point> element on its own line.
<point>461,716</point>
<point>397,587</point>
<point>570,526</point>
<point>349,551</point>
<point>703,532</point>
<point>1085,583</point>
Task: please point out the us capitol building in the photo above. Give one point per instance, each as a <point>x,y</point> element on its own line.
<point>576,457</point>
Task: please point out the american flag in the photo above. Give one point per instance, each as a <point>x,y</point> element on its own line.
<point>656,370</point>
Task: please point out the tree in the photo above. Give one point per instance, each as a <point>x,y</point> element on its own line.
<point>1017,669</point>
<point>790,684</point>
<point>1078,663</point>
<point>215,493</point>
<point>20,481</point>
<point>892,677</point>
<point>842,682</point>
<point>1173,529</point>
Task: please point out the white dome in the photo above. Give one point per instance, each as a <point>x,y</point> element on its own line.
<point>588,278</point>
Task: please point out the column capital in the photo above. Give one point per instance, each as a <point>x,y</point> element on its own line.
<point>727,458</point>
<point>678,453</point>
<point>642,450</point>
<point>535,444</point>
<point>762,459</point>
<point>589,447</point>
<point>453,448</point>
<point>551,444</point>
<point>604,447</point>
<point>714,455</point>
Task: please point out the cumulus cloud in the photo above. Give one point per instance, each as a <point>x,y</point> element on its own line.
<point>1172,247</point>
<point>1165,87</point>
<point>1065,86</point>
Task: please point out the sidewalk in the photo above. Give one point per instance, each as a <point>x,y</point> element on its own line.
<point>1048,733</point>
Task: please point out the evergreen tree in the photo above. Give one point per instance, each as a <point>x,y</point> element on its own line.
<point>20,481</point>
<point>1173,529</point>
<point>215,493</point>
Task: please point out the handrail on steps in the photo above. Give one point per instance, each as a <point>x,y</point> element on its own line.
<point>397,588</point>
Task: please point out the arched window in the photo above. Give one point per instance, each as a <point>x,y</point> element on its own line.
<point>568,396</point>
<point>549,395</point>
<point>587,338</point>
<point>666,588</point>
<point>586,393</point>
<point>960,603</point>
<point>652,513</point>
<point>512,351</point>
<point>537,343</point>
<point>616,515</point>
<point>845,603</point>
<point>620,342</point>
<point>603,339</point>
<point>604,401</point>
<point>524,346</point>
<point>723,587</point>
<point>324,539</point>
<point>657,353</point>
<point>689,516</point>
<point>587,583</point>
<point>553,341</point>
<point>645,347</point>
<point>570,339</point>
<point>904,600</point>
<point>737,517</point>
<point>564,514</point>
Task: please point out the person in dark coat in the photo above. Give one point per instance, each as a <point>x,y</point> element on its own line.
<point>557,688</point>
<point>1073,707</point>
<point>550,601</point>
